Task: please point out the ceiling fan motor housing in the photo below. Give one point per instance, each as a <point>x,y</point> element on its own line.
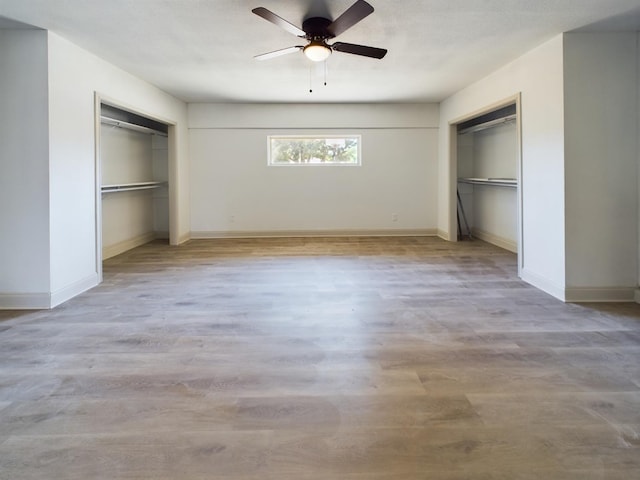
<point>316,28</point>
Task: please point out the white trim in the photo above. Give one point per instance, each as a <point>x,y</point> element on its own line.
<point>121,247</point>
<point>602,294</point>
<point>496,240</point>
<point>443,235</point>
<point>74,289</point>
<point>97,181</point>
<point>25,301</point>
<point>636,295</point>
<point>520,178</point>
<point>582,294</point>
<point>117,103</point>
<point>183,238</point>
<point>505,102</point>
<point>543,284</point>
<point>173,173</point>
<point>315,233</point>
<point>452,234</point>
<point>45,301</point>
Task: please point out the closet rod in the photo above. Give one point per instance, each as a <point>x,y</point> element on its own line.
<point>130,126</point>
<point>125,187</point>
<point>489,124</point>
<point>496,182</point>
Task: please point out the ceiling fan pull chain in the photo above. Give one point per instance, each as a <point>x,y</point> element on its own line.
<point>325,73</point>
<point>310,78</point>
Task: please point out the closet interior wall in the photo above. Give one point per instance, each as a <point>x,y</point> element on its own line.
<point>487,172</point>
<point>135,203</point>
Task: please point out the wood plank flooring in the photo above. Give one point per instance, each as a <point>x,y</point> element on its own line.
<point>309,359</point>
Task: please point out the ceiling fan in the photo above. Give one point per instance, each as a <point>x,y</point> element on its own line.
<point>317,30</point>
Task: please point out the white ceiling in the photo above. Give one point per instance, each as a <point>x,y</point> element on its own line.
<point>202,50</point>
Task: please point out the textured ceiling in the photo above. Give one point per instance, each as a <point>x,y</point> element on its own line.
<point>202,50</point>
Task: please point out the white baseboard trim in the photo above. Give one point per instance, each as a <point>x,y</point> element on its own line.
<point>600,294</point>
<point>185,237</point>
<point>496,240</point>
<point>121,247</point>
<point>25,301</point>
<point>443,235</point>
<point>45,301</point>
<point>582,294</point>
<point>315,233</point>
<point>543,284</point>
<point>76,288</point>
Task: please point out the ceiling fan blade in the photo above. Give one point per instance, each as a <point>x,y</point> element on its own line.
<point>348,19</point>
<point>359,50</point>
<point>279,21</point>
<point>277,53</point>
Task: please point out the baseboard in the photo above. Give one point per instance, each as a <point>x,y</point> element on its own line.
<point>543,284</point>
<point>45,301</point>
<point>496,240</point>
<point>121,247</point>
<point>76,288</point>
<point>443,235</point>
<point>185,237</point>
<point>602,294</point>
<point>25,301</point>
<point>582,294</point>
<point>315,233</point>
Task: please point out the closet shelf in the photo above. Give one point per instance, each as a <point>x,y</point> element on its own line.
<point>488,124</point>
<point>496,182</point>
<point>127,187</point>
<point>130,126</point>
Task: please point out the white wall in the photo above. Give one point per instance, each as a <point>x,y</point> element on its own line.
<point>601,164</point>
<point>495,151</point>
<point>48,163</point>
<point>579,162</point>
<point>74,76</point>
<point>234,192</point>
<point>126,155</point>
<point>24,175</point>
<point>538,76</point>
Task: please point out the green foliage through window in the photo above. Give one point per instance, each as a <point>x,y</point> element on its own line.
<point>333,150</point>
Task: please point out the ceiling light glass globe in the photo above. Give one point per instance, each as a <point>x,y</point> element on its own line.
<point>317,52</point>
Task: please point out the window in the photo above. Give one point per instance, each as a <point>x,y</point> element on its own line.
<point>314,150</point>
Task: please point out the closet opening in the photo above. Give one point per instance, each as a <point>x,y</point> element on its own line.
<point>133,180</point>
<point>486,168</point>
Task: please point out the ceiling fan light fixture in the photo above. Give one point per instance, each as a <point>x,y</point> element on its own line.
<point>317,30</point>
<point>317,51</point>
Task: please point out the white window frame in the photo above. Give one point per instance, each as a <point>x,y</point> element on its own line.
<point>358,162</point>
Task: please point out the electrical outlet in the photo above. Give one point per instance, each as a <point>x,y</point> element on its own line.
<point>394,217</point>
<point>232,218</point>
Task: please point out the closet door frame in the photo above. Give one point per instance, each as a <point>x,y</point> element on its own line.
<point>99,100</point>
<point>453,168</point>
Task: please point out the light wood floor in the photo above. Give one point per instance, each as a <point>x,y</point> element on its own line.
<point>319,359</point>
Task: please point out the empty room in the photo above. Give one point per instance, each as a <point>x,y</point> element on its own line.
<point>319,239</point>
